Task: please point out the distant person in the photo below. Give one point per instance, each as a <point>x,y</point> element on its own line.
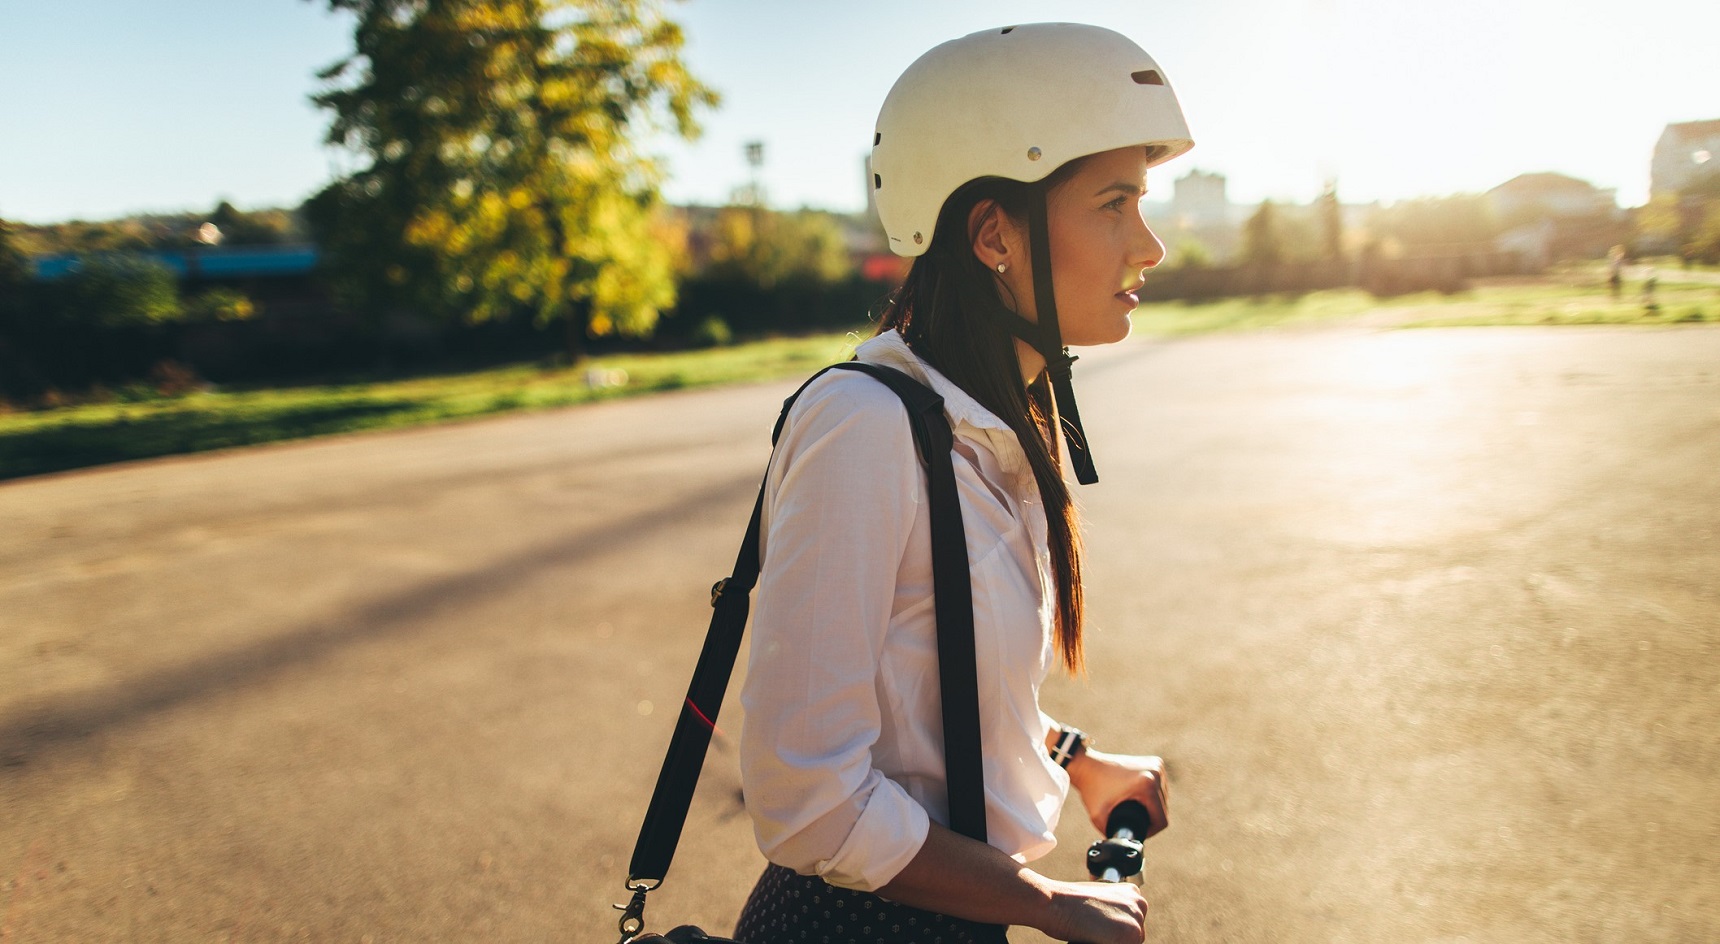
<point>1650,281</point>
<point>1615,270</point>
<point>999,159</point>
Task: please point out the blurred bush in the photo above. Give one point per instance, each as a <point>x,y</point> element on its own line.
<point>713,332</point>
<point>114,292</point>
<point>220,304</point>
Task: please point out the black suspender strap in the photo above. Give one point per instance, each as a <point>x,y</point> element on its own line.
<point>953,602</point>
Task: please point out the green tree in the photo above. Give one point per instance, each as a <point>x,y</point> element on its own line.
<point>1704,243</point>
<point>1262,237</point>
<point>219,304</point>
<point>260,228</point>
<point>1460,221</point>
<point>14,266</point>
<point>119,292</point>
<point>1331,215</point>
<point>768,248</point>
<point>1187,252</point>
<point>503,173</point>
<point>15,271</point>
<point>1659,221</point>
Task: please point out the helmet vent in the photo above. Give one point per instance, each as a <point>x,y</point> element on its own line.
<point>877,182</point>
<point>1007,30</point>
<point>877,136</point>
<point>1148,77</point>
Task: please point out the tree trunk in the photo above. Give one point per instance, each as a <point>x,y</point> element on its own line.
<point>574,335</point>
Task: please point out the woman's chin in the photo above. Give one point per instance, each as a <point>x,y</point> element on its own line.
<point>1110,333</point>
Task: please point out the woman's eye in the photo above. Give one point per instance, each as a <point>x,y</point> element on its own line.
<point>1116,204</point>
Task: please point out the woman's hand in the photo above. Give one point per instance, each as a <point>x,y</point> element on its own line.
<point>1096,913</point>
<point>1105,780</point>
<point>958,876</point>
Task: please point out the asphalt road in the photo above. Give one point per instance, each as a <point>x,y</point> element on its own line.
<point>1425,621</point>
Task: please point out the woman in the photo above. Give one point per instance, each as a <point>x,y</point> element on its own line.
<point>1011,164</point>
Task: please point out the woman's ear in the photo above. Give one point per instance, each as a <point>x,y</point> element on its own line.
<point>995,238</point>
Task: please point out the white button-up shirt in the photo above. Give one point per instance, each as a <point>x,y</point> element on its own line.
<point>842,745</point>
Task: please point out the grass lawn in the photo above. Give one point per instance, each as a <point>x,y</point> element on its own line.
<point>1578,298</point>
<point>34,442</point>
<point>71,437</point>
<point>1172,319</point>
<point>1573,295</point>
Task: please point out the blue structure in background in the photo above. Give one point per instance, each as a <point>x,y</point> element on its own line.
<point>238,262</point>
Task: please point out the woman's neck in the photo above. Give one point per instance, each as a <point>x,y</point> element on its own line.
<point>1032,362</point>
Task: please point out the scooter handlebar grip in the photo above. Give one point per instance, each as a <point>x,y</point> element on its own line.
<point>1130,815</point>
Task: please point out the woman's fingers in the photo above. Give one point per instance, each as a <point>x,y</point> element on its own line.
<point>1158,799</point>
<point>1111,779</point>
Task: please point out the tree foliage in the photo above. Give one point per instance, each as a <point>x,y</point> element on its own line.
<point>1437,223</point>
<point>1704,243</point>
<point>769,249</point>
<point>1263,241</point>
<point>501,170</point>
<point>1687,220</point>
<point>14,267</point>
<point>158,231</point>
<point>117,292</point>
<point>1331,215</point>
<point>1187,252</point>
<point>1660,220</point>
<point>257,228</point>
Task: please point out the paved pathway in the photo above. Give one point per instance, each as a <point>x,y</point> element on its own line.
<point>1424,620</point>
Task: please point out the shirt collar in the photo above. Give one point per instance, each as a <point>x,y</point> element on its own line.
<point>967,417</point>
<point>890,350</point>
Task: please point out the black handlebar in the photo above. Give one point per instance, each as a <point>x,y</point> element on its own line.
<point>1131,815</point>
<point>1118,856</point>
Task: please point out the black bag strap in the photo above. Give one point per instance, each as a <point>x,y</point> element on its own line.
<point>730,598</point>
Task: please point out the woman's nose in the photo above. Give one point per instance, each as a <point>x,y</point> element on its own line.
<point>1150,251</point>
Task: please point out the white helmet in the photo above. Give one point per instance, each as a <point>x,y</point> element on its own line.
<point>1015,102</point>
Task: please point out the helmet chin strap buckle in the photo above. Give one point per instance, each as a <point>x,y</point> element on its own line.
<point>1060,366</point>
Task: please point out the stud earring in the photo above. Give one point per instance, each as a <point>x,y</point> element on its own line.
<point>1001,268</point>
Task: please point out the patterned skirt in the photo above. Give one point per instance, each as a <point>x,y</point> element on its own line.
<point>785,906</point>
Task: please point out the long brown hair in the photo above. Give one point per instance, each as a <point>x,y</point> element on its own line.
<point>947,312</point>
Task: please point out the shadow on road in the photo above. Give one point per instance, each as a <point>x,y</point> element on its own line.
<point>66,720</point>
<point>56,448</point>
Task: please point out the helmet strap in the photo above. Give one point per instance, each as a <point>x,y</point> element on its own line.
<point>1046,338</point>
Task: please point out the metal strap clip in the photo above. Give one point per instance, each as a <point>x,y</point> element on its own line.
<point>633,913</point>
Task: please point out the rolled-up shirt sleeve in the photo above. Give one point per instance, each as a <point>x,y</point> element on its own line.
<point>843,493</point>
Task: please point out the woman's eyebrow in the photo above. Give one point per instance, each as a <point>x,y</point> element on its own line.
<point>1125,188</point>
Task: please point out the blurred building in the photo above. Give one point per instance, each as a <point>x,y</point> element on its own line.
<point>197,265</point>
<point>1686,152</point>
<point>1547,217</point>
<point>1198,198</point>
<point>1199,211</point>
<point>1547,195</point>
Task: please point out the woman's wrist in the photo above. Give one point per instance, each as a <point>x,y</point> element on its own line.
<point>1054,907</point>
<point>1067,743</point>
<point>1038,906</point>
<point>1083,766</point>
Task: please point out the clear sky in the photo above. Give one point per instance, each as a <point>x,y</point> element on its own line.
<point>114,106</point>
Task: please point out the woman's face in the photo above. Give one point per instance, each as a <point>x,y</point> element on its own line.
<point>1100,248</point>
